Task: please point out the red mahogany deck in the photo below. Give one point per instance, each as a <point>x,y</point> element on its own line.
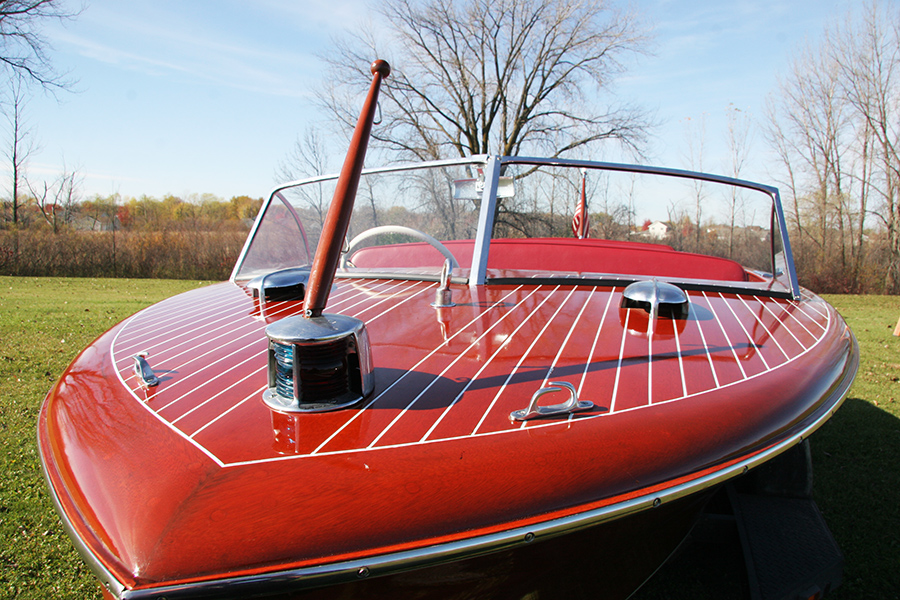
<point>456,374</point>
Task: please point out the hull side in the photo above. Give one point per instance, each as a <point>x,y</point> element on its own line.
<point>198,480</point>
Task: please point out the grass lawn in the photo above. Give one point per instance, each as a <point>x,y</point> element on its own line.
<point>44,323</point>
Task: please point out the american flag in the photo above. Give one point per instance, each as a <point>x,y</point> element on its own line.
<point>581,223</point>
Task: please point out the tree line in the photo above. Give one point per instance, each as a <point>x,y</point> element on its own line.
<point>834,122</point>
<point>108,236</point>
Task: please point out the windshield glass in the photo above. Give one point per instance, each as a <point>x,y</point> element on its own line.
<point>584,220</point>
<point>630,223</point>
<point>403,220</point>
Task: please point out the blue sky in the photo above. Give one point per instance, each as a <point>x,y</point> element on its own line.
<point>191,97</point>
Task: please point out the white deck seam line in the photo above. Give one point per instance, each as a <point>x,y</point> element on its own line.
<point>453,402</point>
<point>436,378</point>
<point>177,316</point>
<point>524,355</point>
<point>202,369</point>
<point>507,431</point>
<point>565,342</point>
<point>725,333</point>
<point>187,330</point>
<point>712,366</point>
<point>812,319</point>
<point>770,335</point>
<point>428,356</point>
<point>680,358</point>
<point>561,348</point>
<point>171,427</point>
<point>212,364</point>
<point>395,306</point>
<point>244,330</point>
<point>184,320</point>
<point>750,339</point>
<point>152,320</point>
<point>783,325</point>
<point>156,415</point>
<point>258,356</point>
<point>799,322</point>
<point>590,357</point>
<point>399,284</point>
<point>812,305</point>
<point>222,464</point>
<point>255,394</point>
<point>239,311</point>
<point>615,390</point>
<point>256,326</point>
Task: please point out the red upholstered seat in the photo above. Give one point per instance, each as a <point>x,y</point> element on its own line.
<point>562,254</point>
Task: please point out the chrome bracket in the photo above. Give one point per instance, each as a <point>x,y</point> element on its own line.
<point>443,298</point>
<point>534,411</point>
<point>143,371</point>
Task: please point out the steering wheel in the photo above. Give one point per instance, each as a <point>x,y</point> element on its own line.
<point>355,242</point>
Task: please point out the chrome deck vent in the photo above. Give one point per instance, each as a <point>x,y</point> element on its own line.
<point>658,298</point>
<point>318,364</point>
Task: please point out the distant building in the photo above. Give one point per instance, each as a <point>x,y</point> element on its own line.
<point>88,223</point>
<point>657,230</point>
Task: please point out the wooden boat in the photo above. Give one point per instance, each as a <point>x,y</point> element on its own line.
<point>481,416</point>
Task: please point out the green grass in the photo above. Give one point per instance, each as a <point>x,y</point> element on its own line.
<point>856,455</point>
<point>45,322</point>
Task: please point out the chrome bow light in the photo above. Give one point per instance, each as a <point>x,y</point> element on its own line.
<point>318,364</point>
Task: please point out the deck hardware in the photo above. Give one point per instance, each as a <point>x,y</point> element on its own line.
<point>286,284</point>
<point>444,296</point>
<point>535,411</point>
<point>318,364</point>
<point>143,371</point>
<point>658,298</point>
<point>363,572</point>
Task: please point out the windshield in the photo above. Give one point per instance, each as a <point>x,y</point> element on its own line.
<point>395,215</point>
<point>633,223</point>
<point>592,221</point>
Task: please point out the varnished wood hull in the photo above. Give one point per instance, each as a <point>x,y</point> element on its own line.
<point>196,487</point>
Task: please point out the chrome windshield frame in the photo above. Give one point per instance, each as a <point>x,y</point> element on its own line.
<point>786,276</point>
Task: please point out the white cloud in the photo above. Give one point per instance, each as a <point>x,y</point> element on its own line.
<point>153,39</point>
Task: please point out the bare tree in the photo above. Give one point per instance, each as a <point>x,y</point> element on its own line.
<point>836,126</point>
<point>809,125</point>
<point>23,50</point>
<point>23,54</point>
<point>695,132</point>
<point>492,76</point>
<point>58,199</point>
<point>738,151</point>
<point>309,158</point>
<point>19,145</point>
<point>868,57</point>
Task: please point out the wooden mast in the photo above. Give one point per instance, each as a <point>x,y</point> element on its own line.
<point>337,220</point>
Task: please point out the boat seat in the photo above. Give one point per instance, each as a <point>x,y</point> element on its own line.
<point>561,254</point>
